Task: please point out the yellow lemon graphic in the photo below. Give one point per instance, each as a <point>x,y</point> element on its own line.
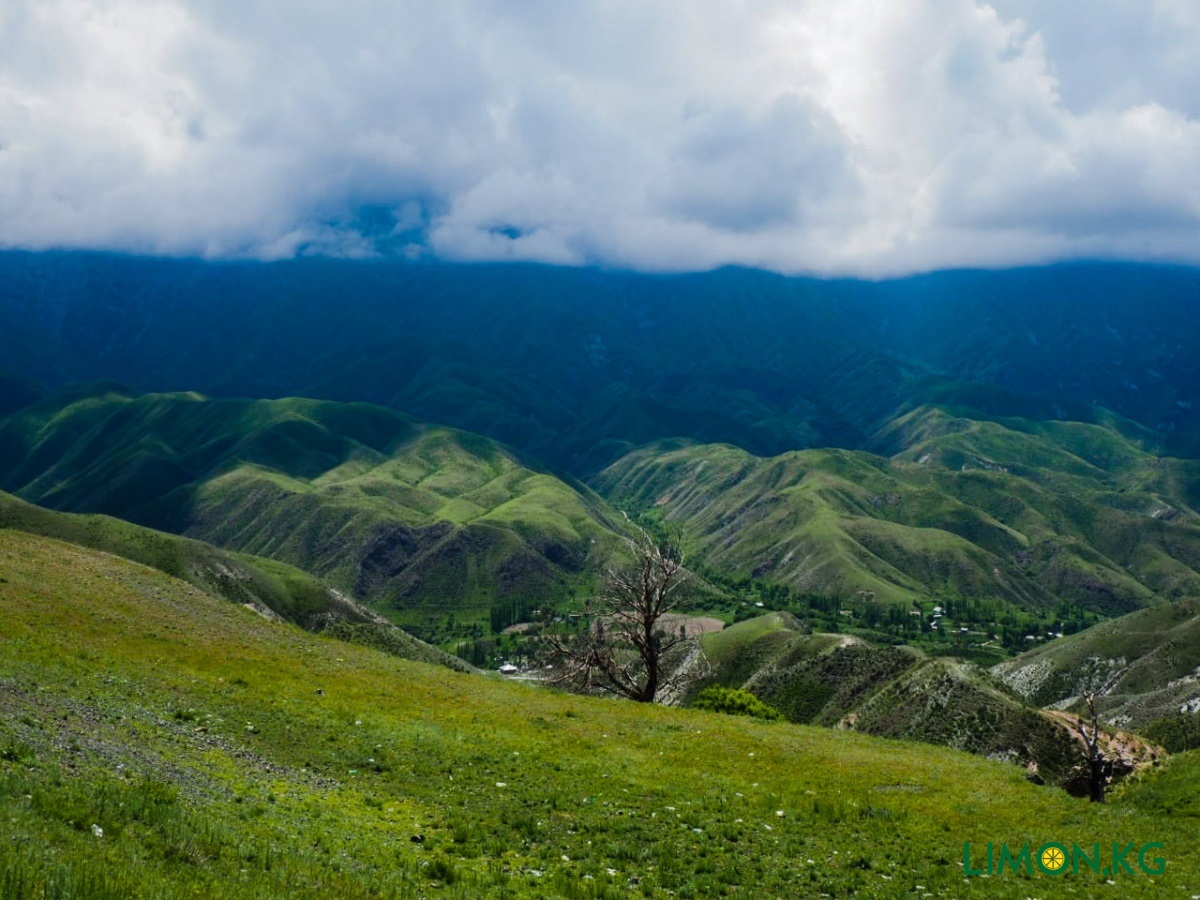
<point>1053,859</point>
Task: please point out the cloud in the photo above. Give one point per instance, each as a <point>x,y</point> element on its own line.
<point>863,137</point>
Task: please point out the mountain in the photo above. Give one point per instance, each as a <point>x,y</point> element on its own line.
<point>156,741</point>
<point>16,393</point>
<point>577,366</point>
<point>1021,512</point>
<point>274,590</point>
<point>900,692</point>
<point>422,520</point>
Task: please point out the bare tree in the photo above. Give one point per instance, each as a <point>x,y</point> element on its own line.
<point>1100,767</point>
<point>624,647</point>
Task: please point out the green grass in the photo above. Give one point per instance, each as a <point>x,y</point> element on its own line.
<point>270,587</point>
<point>841,681</point>
<point>225,756</point>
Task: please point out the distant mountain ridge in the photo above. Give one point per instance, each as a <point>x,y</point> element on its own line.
<point>577,366</point>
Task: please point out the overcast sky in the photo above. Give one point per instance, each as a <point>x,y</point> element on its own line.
<point>867,137</point>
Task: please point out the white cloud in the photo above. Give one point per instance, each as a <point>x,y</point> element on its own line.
<point>864,137</point>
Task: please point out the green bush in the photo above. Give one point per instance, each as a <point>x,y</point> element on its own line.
<point>1176,733</point>
<point>734,702</point>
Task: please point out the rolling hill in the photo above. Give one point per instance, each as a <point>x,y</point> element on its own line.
<point>423,521</point>
<point>274,590</point>
<point>899,692</point>
<point>1028,513</point>
<point>157,741</point>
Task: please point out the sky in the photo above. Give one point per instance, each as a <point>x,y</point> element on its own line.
<point>860,137</point>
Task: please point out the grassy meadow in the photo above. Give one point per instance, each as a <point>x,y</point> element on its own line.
<point>156,741</point>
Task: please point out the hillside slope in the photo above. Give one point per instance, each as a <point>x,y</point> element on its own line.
<point>158,742</point>
<point>899,692</point>
<point>1027,513</point>
<point>425,521</point>
<point>1146,663</point>
<point>274,590</point>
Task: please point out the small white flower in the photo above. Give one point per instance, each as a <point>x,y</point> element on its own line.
<point>501,784</point>
<point>566,858</point>
<point>98,831</point>
<point>779,812</point>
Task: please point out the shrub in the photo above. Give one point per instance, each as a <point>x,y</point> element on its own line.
<point>734,702</point>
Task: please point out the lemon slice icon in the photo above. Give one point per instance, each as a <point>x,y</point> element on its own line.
<point>1053,859</point>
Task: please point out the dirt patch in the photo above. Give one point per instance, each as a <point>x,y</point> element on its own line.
<point>693,625</point>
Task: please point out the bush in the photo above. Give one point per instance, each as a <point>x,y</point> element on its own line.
<point>1176,733</point>
<point>734,702</point>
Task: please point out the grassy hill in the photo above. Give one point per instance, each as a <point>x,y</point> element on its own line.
<point>1149,660</point>
<point>1023,512</point>
<point>156,741</point>
<point>274,590</point>
<point>425,521</point>
<point>837,680</point>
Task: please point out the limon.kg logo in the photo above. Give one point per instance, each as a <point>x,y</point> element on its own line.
<point>1054,858</point>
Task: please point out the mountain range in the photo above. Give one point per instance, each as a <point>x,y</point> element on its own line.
<point>475,442</point>
<point>578,366</point>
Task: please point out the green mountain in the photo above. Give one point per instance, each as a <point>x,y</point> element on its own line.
<point>577,366</point>
<point>422,520</point>
<point>156,741</point>
<point>899,692</point>
<point>1028,513</point>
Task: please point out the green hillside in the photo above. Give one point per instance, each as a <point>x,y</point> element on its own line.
<point>424,521</point>
<point>156,741</point>
<point>274,590</point>
<point>270,587</point>
<point>899,692</point>
<point>1032,514</point>
<point>1148,663</point>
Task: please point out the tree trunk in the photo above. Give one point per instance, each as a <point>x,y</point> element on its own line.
<point>651,688</point>
<point>1099,772</point>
